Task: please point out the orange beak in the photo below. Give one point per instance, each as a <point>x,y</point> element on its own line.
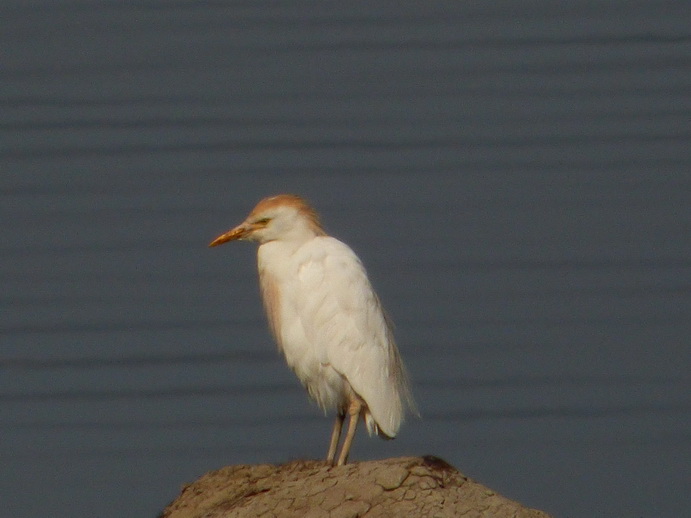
<point>234,234</point>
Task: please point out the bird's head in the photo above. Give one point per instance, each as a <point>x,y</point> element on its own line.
<point>285,217</point>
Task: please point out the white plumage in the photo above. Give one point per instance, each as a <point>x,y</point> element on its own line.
<point>326,319</point>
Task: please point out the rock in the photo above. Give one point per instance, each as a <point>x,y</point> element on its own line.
<point>408,486</point>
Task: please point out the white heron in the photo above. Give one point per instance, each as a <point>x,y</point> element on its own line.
<point>326,319</point>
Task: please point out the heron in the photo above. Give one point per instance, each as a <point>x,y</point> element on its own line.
<point>327,320</point>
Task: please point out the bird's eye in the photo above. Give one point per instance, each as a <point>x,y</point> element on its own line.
<point>263,221</point>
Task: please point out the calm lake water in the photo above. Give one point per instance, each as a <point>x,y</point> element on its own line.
<point>515,176</point>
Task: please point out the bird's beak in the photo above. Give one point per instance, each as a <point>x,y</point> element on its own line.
<point>239,232</point>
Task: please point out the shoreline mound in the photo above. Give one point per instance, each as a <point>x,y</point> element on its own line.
<point>406,486</point>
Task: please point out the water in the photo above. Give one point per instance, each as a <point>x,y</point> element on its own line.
<point>515,177</point>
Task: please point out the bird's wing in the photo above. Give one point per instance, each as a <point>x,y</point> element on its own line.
<point>343,318</point>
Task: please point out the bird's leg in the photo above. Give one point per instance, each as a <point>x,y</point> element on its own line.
<point>354,410</point>
<point>335,436</point>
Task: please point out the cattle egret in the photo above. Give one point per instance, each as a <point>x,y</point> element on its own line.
<point>326,319</point>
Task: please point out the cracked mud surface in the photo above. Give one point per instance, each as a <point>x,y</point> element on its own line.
<point>408,486</point>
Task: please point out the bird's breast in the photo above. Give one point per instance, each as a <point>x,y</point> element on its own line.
<point>288,280</point>
<point>282,293</point>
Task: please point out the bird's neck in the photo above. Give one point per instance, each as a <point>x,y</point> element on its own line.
<point>278,249</point>
<point>296,235</point>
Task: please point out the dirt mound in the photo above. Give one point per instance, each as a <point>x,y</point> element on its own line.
<point>408,486</point>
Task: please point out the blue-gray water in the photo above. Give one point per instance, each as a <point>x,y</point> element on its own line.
<point>516,177</point>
